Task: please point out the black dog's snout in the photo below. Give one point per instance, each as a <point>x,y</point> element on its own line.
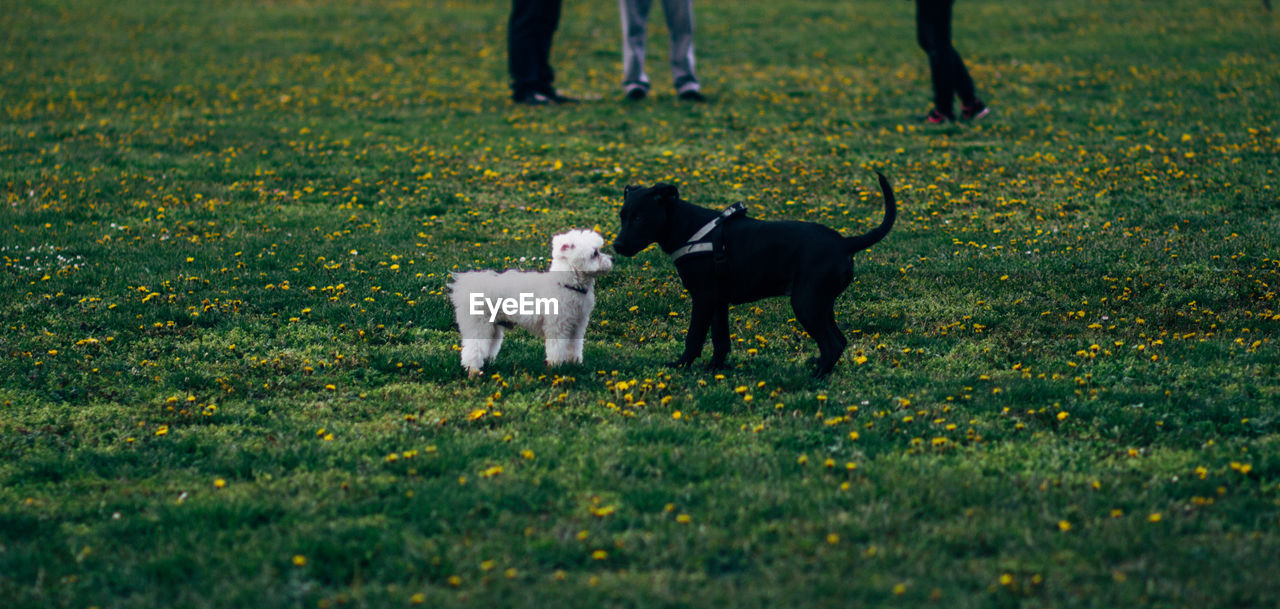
<point>622,249</point>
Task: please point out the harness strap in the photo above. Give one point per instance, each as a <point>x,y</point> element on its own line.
<point>696,243</point>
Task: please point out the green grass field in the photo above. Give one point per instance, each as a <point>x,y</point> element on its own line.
<point>229,372</point>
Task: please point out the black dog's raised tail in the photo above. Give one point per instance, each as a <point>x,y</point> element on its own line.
<point>862,242</point>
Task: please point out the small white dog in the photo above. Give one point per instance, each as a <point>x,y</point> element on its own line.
<point>555,304</point>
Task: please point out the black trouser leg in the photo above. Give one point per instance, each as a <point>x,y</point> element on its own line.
<point>950,78</point>
<point>550,19</point>
<point>530,31</point>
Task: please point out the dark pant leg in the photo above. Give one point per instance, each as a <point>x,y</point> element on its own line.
<point>960,75</point>
<point>529,33</point>
<point>549,20</point>
<point>933,32</point>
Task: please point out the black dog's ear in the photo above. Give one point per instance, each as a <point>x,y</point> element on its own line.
<point>630,187</point>
<point>667,192</point>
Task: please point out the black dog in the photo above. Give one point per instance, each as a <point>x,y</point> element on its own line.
<point>724,258</point>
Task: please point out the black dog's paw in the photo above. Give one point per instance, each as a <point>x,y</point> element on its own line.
<point>717,365</point>
<point>823,369</point>
<point>680,363</point>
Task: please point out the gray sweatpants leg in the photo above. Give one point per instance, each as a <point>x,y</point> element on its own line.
<point>635,21</point>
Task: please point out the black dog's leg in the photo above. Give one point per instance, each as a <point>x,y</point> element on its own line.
<point>699,322</point>
<point>719,336</point>
<point>844,342</point>
<point>815,312</point>
<point>835,345</point>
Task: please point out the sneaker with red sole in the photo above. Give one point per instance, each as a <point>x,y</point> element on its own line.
<point>936,117</point>
<point>975,111</point>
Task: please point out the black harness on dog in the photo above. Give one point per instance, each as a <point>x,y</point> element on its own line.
<point>710,238</point>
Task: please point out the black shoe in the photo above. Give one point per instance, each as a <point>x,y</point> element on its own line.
<point>692,95</point>
<point>557,98</point>
<point>531,98</point>
<point>636,93</point>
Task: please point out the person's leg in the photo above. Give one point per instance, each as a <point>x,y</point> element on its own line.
<point>933,32</point>
<point>635,23</point>
<point>548,21</point>
<point>679,14</point>
<point>523,47</point>
<point>962,82</point>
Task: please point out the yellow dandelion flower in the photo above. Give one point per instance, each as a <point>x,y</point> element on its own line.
<point>603,511</point>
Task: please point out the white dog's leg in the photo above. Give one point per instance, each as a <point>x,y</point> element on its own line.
<point>566,345</point>
<point>559,346</point>
<point>555,350</point>
<point>494,345</point>
<point>477,351</point>
<point>580,330</point>
<point>575,343</point>
<point>473,354</point>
